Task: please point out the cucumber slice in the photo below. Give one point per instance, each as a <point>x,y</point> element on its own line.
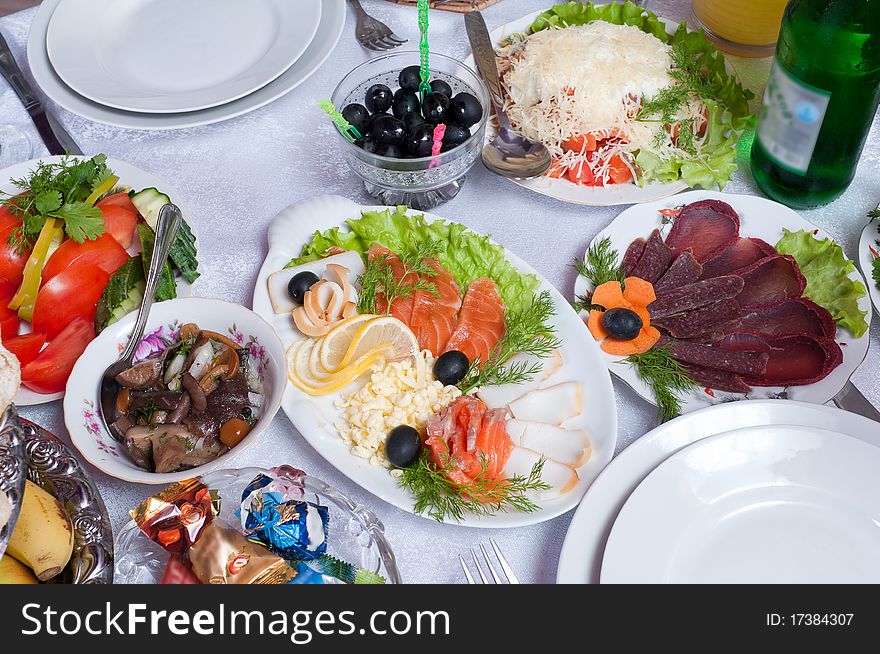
<point>148,202</point>
<point>183,250</point>
<point>122,294</point>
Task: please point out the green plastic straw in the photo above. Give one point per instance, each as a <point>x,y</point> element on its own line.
<point>424,86</point>
<point>348,130</point>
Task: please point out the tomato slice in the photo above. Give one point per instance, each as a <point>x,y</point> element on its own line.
<point>48,373</point>
<point>580,143</point>
<point>9,326</point>
<point>118,200</point>
<point>11,262</point>
<point>25,347</point>
<point>618,171</point>
<point>103,252</point>
<point>582,174</point>
<point>119,222</point>
<point>556,170</point>
<point>71,294</point>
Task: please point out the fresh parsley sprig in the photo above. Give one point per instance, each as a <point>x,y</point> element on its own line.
<point>666,376</point>
<point>379,279</point>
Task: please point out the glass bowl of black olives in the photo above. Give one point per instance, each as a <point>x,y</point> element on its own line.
<point>393,156</point>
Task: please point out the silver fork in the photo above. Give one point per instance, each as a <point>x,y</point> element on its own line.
<point>371,33</point>
<point>509,576</point>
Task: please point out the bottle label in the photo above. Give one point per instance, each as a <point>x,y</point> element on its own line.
<point>791,118</point>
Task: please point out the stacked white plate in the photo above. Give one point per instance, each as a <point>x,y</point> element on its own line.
<point>166,64</point>
<point>763,491</point>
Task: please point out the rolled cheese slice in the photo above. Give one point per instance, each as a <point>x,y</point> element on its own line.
<point>277,281</point>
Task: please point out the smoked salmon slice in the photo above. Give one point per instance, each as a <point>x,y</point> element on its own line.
<point>402,307</point>
<point>480,322</point>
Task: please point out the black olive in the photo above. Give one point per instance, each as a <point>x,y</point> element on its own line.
<point>378,98</point>
<point>392,151</point>
<point>413,120</point>
<point>358,116</point>
<point>405,102</point>
<point>435,107</point>
<point>368,144</point>
<point>403,446</point>
<point>388,130</point>
<point>622,323</point>
<point>466,109</point>
<point>451,367</point>
<point>410,78</point>
<point>299,284</point>
<point>439,86</point>
<point>420,142</point>
<point>454,136</point>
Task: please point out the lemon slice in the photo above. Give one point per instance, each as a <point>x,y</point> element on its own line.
<point>339,348</point>
<point>300,375</point>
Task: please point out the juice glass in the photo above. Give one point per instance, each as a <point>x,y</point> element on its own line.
<point>748,28</point>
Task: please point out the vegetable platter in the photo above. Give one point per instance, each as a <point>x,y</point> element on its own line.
<point>367,369</point>
<point>753,294</point>
<point>662,113</point>
<point>72,231</point>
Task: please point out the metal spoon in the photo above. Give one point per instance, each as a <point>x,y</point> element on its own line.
<point>166,229</point>
<point>508,154</point>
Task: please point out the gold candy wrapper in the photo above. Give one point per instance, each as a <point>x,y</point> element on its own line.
<point>176,516</point>
<point>223,555</point>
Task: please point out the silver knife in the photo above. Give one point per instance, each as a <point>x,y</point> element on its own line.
<point>56,138</point>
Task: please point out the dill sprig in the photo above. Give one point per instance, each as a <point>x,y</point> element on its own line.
<point>440,498</point>
<point>379,279</point>
<point>666,376</point>
<point>600,264</point>
<point>874,213</point>
<point>528,331</point>
<point>875,271</point>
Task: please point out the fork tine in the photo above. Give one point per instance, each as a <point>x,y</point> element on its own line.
<point>494,574</point>
<point>505,566</point>
<point>393,37</point>
<point>479,569</point>
<point>467,573</point>
<point>389,44</point>
<point>374,44</point>
<point>379,44</point>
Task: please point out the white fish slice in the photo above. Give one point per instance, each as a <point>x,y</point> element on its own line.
<point>552,405</point>
<point>559,477</point>
<point>277,282</point>
<point>499,396</point>
<point>568,446</point>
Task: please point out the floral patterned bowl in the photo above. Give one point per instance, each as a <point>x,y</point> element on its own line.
<point>82,412</point>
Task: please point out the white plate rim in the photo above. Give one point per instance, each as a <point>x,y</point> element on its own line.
<point>584,544</point>
<point>125,171</point>
<point>322,46</point>
<point>870,238</point>
<point>616,562</point>
<point>59,45</point>
<point>643,217</point>
<point>334,210</point>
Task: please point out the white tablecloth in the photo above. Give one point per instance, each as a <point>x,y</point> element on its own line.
<point>238,174</point>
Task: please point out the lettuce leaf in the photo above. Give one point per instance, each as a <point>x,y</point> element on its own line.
<point>715,164</point>
<point>466,255</point>
<point>828,283</point>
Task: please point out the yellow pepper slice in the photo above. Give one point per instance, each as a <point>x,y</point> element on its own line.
<point>26,296</point>
<point>103,187</point>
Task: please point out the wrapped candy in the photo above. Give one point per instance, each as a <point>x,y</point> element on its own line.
<point>223,556</point>
<point>178,572</point>
<point>176,516</point>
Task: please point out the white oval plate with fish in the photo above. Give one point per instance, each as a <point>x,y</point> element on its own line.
<point>869,251</point>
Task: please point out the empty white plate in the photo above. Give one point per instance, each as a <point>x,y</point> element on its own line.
<point>170,56</point>
<point>780,504</point>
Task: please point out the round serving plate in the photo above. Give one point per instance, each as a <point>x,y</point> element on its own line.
<point>314,416</point>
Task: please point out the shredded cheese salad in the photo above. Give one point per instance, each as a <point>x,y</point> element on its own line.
<point>617,99</point>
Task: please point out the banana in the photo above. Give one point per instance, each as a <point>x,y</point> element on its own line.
<point>13,572</point>
<point>43,535</point>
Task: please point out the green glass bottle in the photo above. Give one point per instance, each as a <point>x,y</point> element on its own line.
<point>820,100</point>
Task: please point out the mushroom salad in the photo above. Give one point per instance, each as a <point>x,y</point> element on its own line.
<point>189,404</point>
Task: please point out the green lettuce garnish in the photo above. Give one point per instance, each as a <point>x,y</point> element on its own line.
<point>466,255</point>
<point>827,273</point>
<point>728,106</point>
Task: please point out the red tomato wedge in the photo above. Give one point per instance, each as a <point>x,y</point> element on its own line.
<point>48,373</point>
<point>556,170</point>
<point>580,143</point>
<point>11,262</point>
<point>618,171</point>
<point>119,222</point>
<point>582,174</point>
<point>25,347</point>
<point>9,324</point>
<point>118,200</point>
<point>71,294</point>
<point>103,252</point>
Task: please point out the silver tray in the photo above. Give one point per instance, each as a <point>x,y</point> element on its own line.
<point>51,465</point>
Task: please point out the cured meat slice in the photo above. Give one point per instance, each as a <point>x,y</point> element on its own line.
<point>718,379</point>
<point>684,270</point>
<point>770,281</point>
<point>739,254</point>
<point>705,320</point>
<point>793,359</point>
<point>794,316</point>
<point>740,362</point>
<point>705,227</point>
<point>631,256</point>
<point>696,295</point>
<point>655,259</point>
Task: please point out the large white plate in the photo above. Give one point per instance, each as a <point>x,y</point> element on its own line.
<point>759,218</point>
<point>772,504</point>
<point>325,40</point>
<point>869,249</point>
<point>567,191</point>
<point>314,417</point>
<point>170,56</point>
<point>581,556</point>
<point>128,176</point>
